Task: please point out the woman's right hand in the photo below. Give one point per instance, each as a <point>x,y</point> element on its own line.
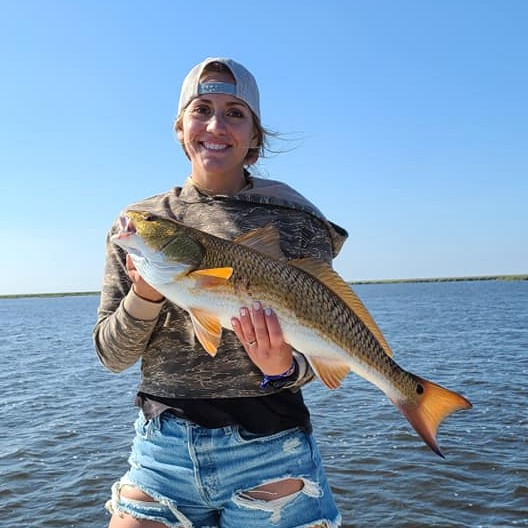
<point>141,288</point>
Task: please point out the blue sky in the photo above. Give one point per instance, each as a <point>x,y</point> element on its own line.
<point>405,121</point>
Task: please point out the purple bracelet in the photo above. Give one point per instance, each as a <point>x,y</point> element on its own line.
<point>267,378</point>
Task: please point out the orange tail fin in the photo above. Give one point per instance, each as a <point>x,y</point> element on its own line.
<point>434,404</point>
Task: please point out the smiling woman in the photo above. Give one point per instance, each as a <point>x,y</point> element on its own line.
<point>216,112</point>
<point>223,441</point>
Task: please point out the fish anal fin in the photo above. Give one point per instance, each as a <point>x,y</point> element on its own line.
<point>330,371</point>
<point>207,329</point>
<point>434,404</point>
<point>331,279</point>
<point>210,278</point>
<point>263,239</point>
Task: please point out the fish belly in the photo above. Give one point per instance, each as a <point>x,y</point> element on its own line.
<point>315,346</point>
<point>225,304</point>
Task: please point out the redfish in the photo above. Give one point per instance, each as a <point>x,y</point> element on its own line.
<point>320,315</point>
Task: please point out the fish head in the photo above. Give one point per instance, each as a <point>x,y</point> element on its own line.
<point>145,235</point>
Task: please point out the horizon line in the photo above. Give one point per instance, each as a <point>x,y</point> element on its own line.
<point>517,277</point>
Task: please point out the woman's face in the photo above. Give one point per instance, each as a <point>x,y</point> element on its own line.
<point>217,130</point>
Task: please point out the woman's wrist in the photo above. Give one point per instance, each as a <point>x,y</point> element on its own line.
<point>141,308</point>
<point>280,379</point>
<point>158,298</point>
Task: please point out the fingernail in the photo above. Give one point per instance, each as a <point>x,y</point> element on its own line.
<point>256,306</point>
<point>243,312</point>
<point>268,312</point>
<point>234,321</point>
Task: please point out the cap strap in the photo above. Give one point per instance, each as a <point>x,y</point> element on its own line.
<point>217,87</point>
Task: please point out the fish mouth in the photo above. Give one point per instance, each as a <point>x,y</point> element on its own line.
<point>127,227</point>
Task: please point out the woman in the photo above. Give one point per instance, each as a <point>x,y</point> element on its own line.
<point>224,441</point>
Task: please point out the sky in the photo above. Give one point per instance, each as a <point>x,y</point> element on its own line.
<point>404,121</point>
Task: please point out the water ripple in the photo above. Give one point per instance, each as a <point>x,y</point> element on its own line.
<point>64,445</point>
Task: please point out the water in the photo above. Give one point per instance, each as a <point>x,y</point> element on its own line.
<point>66,423</point>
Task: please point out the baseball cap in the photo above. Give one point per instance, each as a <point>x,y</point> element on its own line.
<point>245,87</point>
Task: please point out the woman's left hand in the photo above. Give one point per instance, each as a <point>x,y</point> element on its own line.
<point>259,331</point>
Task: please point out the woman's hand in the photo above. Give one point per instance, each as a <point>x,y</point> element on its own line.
<point>141,288</point>
<point>259,331</point>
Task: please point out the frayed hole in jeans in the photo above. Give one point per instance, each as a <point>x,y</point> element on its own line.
<point>275,490</point>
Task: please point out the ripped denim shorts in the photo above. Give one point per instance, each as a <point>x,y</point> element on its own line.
<point>199,477</point>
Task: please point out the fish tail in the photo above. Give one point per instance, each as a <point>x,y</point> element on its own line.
<point>434,404</point>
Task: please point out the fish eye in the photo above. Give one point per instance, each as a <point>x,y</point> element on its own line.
<point>148,217</point>
<point>419,389</point>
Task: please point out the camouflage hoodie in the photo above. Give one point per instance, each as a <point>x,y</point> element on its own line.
<point>173,363</point>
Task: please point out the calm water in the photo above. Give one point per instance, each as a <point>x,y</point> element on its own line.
<point>65,422</point>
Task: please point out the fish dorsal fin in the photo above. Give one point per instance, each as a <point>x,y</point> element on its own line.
<point>324,273</point>
<point>209,278</point>
<point>207,328</point>
<point>330,371</point>
<point>263,239</point>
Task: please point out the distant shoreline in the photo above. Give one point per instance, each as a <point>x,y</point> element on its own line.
<point>374,281</point>
<point>446,279</point>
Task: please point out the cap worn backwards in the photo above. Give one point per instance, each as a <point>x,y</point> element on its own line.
<point>245,87</point>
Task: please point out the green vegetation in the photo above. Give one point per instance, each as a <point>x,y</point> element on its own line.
<point>381,281</point>
<point>65,294</point>
<point>447,279</point>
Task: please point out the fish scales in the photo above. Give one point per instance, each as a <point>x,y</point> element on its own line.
<point>282,285</point>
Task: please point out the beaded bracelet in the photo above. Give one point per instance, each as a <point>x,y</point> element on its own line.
<point>286,374</point>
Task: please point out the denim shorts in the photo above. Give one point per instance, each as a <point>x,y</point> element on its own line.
<point>197,477</point>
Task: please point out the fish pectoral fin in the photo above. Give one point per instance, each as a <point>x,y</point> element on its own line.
<point>207,329</point>
<point>330,371</point>
<point>263,239</point>
<point>209,278</point>
<point>331,279</point>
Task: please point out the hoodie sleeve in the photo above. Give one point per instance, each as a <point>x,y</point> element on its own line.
<point>125,321</point>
